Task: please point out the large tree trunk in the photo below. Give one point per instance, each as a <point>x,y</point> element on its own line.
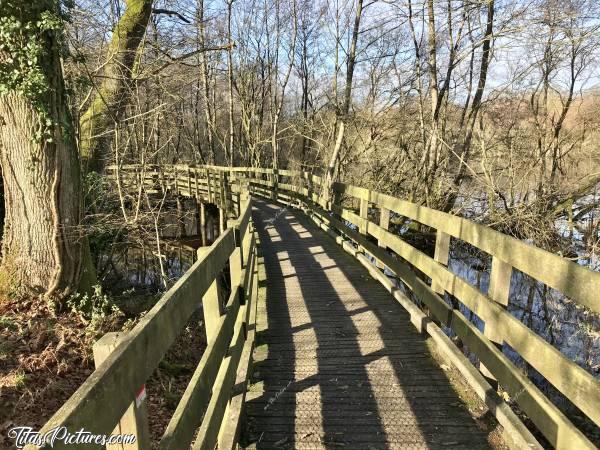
<point>42,246</point>
<point>113,93</point>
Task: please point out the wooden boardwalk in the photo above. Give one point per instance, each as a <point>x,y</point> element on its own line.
<point>338,363</point>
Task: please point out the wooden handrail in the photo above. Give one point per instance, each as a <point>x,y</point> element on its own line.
<point>100,402</point>
<point>576,282</point>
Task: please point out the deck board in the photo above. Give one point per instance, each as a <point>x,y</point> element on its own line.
<point>338,363</point>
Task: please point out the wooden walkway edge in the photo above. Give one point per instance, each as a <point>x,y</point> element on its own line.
<point>338,363</point>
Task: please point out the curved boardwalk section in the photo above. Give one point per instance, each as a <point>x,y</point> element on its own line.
<point>338,363</point>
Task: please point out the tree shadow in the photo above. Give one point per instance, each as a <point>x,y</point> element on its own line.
<point>344,366</point>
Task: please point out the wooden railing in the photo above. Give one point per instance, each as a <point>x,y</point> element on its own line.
<point>429,278</point>
<point>210,408</point>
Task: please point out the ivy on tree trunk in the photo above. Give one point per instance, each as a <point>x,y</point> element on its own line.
<point>43,243</point>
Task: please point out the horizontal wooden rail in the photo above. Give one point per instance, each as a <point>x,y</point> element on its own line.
<point>100,402</point>
<point>578,283</point>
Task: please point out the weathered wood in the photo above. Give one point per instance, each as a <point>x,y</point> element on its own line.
<point>569,278</point>
<point>499,290</point>
<point>186,419</point>
<point>231,423</point>
<point>330,370</point>
<point>577,384</point>
<point>517,433</point>
<point>135,420</point>
<point>364,214</point>
<point>212,309</point>
<point>441,255</point>
<point>559,273</point>
<point>209,430</point>
<point>134,360</point>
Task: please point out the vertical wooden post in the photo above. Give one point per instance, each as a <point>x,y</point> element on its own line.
<point>222,220</point>
<point>235,270</point>
<point>244,190</point>
<point>176,180</point>
<point>209,184</point>
<point>135,419</point>
<point>197,187</point>
<point>212,304</point>
<point>203,222</point>
<point>210,228</point>
<point>275,180</point>
<point>384,222</point>
<point>498,291</point>
<point>364,212</point>
<point>441,255</point>
<point>189,181</point>
<point>226,194</point>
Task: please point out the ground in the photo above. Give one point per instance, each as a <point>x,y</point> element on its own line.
<point>45,357</point>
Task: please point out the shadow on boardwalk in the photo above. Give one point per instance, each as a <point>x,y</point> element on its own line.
<point>340,365</point>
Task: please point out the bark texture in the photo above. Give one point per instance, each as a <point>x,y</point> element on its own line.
<point>43,243</point>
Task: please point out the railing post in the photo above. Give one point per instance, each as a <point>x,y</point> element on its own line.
<point>498,291</point>
<point>244,189</point>
<point>364,212</point>
<point>309,188</point>
<point>202,221</point>
<point>209,185</point>
<point>441,255</point>
<point>275,179</point>
<point>236,264</point>
<point>189,180</point>
<point>227,198</point>
<point>176,180</point>
<point>212,304</point>
<point>384,222</point>
<point>222,220</point>
<point>135,419</point>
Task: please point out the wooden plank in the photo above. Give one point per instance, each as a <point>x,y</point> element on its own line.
<point>559,273</point>
<point>555,426</point>
<point>213,308</point>
<point>135,419</point>
<point>499,288</point>
<point>134,360</point>
<point>441,255</point>
<point>180,431</point>
<point>543,413</point>
<point>572,380</point>
<point>209,430</point>
<point>231,425</point>
<point>350,384</point>
<point>517,432</point>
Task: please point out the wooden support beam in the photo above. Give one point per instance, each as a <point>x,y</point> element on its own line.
<point>135,419</point>
<point>441,255</point>
<point>203,229</point>
<point>222,220</point>
<point>384,222</point>
<point>212,304</point>
<point>498,290</point>
<point>363,227</point>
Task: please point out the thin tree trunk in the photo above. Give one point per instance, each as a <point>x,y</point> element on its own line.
<point>230,84</point>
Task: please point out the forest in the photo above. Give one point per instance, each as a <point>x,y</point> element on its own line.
<point>485,109</point>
